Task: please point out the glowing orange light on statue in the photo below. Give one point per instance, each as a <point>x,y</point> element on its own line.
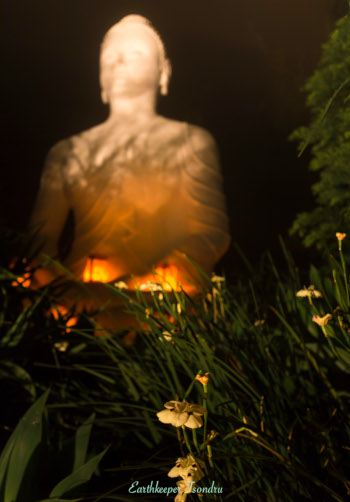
<point>168,277</point>
<point>61,310</point>
<point>24,280</point>
<point>98,270</point>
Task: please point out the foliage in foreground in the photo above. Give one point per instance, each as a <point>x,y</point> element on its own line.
<point>25,450</point>
<point>278,402</point>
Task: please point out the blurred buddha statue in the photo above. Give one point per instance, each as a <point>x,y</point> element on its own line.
<point>145,191</point>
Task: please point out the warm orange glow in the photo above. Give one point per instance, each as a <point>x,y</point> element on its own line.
<point>167,276</point>
<point>60,309</point>
<point>170,279</point>
<point>24,280</point>
<point>98,270</point>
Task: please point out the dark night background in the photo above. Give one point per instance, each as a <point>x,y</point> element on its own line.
<point>238,69</point>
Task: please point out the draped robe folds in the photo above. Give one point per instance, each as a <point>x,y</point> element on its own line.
<point>151,199</point>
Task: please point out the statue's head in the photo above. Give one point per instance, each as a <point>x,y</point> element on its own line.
<point>133,60</point>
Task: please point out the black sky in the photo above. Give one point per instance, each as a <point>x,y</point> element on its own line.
<point>238,67</point>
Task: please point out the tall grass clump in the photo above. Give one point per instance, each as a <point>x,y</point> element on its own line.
<point>244,388</point>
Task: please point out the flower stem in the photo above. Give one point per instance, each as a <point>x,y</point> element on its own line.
<point>180,440</point>
<point>205,395</point>
<point>195,442</point>
<point>190,449</point>
<point>210,455</point>
<point>344,273</point>
<point>191,385</point>
<point>310,357</point>
<point>187,441</point>
<point>330,343</point>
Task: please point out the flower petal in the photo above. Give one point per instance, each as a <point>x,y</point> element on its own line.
<point>197,409</point>
<point>171,404</point>
<point>183,490</point>
<point>310,291</point>
<point>121,285</point>
<point>175,472</point>
<point>340,236</point>
<point>217,278</point>
<point>165,416</point>
<point>197,474</point>
<point>182,406</point>
<point>203,379</point>
<point>179,419</point>
<point>322,321</point>
<point>194,421</point>
<point>302,293</point>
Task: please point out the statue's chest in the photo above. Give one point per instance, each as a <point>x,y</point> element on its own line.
<point>142,173</point>
<point>144,185</point>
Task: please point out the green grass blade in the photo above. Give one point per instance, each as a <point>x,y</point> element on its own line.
<point>82,438</point>
<point>78,477</point>
<point>20,448</point>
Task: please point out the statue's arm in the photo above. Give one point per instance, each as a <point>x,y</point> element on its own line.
<point>207,226</point>
<point>51,208</point>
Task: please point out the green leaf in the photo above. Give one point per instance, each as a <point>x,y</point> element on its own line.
<point>20,447</point>
<point>344,359</point>
<point>12,371</point>
<point>78,477</point>
<point>77,348</point>
<point>289,385</point>
<point>81,442</point>
<point>16,332</point>
<point>315,277</point>
<point>95,373</point>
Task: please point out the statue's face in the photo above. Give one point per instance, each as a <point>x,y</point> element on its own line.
<point>129,63</point>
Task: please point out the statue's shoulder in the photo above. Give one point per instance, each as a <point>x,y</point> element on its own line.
<point>203,145</point>
<point>166,128</point>
<point>76,146</point>
<point>198,136</point>
<point>197,141</point>
<point>67,159</point>
<point>59,150</point>
<point>68,145</point>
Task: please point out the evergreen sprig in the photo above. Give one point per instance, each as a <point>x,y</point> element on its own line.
<point>328,97</point>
